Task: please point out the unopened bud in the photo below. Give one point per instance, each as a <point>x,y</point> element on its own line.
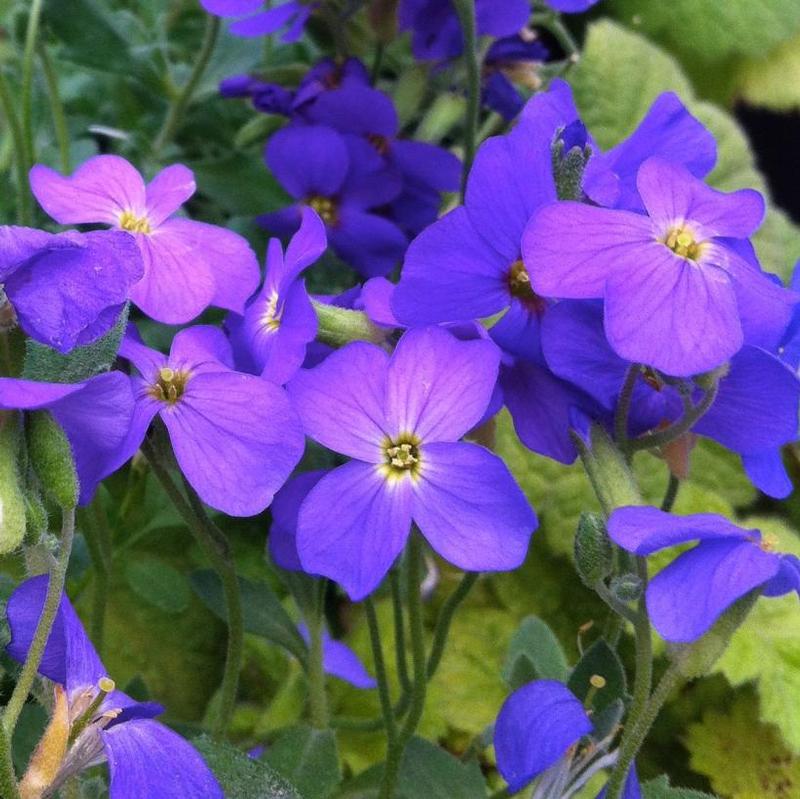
<point>12,499</point>
<point>593,552</point>
<point>626,587</point>
<point>51,458</point>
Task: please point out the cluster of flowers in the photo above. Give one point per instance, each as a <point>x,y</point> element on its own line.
<point>639,269</point>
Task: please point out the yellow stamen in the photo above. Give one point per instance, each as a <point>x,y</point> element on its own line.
<point>681,240</point>
<point>129,221</point>
<point>401,457</point>
<point>170,385</point>
<point>326,208</point>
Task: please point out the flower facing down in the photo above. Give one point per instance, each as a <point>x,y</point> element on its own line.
<point>67,289</point>
<point>279,322</point>
<point>188,265</point>
<point>676,289</point>
<point>688,596</point>
<point>95,416</point>
<point>289,14</point>
<point>538,734</point>
<point>93,723</point>
<point>235,436</point>
<point>400,418</point>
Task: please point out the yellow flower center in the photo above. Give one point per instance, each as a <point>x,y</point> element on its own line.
<point>169,386</point>
<point>129,221</point>
<point>325,207</point>
<point>681,240</point>
<point>519,284</point>
<point>401,457</point>
<point>271,318</point>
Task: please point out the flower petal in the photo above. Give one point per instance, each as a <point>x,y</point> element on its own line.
<point>469,508</point>
<point>201,348</point>
<point>168,191</point>
<point>265,23</point>
<point>147,760</point>
<point>644,530</point>
<point>236,438</point>
<point>373,520</point>
<point>534,729</point>
<point>427,164</point>
<point>99,190</point>
<point>231,8</point>
<point>372,245</point>
<point>341,402</point>
<point>768,473</point>
<point>451,274</point>
<point>688,596</point>
<point>305,247</point>
<point>438,387</point>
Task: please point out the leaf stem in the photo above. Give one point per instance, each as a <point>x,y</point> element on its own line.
<point>52,601</point>
<point>28,55</point>
<point>466,15</point>
<point>24,208</point>
<point>178,106</point>
<point>446,618</point>
<point>317,697</point>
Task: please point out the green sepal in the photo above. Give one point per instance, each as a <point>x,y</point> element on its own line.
<point>51,458</point>
<point>594,555</point>
<point>12,499</point>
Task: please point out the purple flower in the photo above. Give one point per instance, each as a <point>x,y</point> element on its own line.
<point>343,178</point>
<point>235,436</point>
<point>290,14</point>
<point>95,416</point>
<point>688,596</point>
<point>400,417</point>
<point>538,733</point>
<point>67,289</point>
<point>340,661</point>
<point>513,59</point>
<point>436,31</point>
<point>571,6</point>
<point>188,265</point>
<point>674,288</point>
<point>145,758</point>
<point>754,413</point>
<point>279,322</point>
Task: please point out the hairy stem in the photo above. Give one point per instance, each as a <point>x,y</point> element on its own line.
<point>446,618</point>
<point>8,779</point>
<point>623,409</point>
<point>399,632</point>
<point>52,601</point>
<point>317,696</point>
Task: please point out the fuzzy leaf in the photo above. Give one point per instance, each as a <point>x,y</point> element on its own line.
<point>308,759</point>
<point>158,583</point>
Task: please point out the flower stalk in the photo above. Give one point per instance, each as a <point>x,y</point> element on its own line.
<point>466,15</point>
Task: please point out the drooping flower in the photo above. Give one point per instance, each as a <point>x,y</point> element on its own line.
<point>95,416</point>
<point>188,265</point>
<point>400,419</point>
<point>754,413</point>
<point>674,289</point>
<point>96,722</point>
<point>289,14</point>
<point>688,596</point>
<point>235,436</point>
<point>538,734</point>
<point>67,289</point>
<point>279,322</point>
<point>436,30</point>
<point>343,178</point>
<point>340,661</point>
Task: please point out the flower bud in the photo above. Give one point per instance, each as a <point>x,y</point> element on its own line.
<point>593,552</point>
<point>627,587</point>
<point>12,499</point>
<point>51,457</point>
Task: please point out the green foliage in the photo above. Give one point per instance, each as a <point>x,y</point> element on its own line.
<point>593,552</point>
<point>308,758</point>
<point>772,81</point>
<point>12,499</point>
<point>599,660</point>
<point>51,458</point>
<point>660,788</point>
<point>534,654</point>
<point>744,758</point>
<point>240,776</point>
<point>158,583</point>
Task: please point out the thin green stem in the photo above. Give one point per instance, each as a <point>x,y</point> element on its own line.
<point>377,62</point>
<point>214,545</point>
<point>643,677</point>
<point>8,779</point>
<point>466,15</point>
<point>399,631</point>
<point>553,23</point>
<point>24,208</point>
<point>623,409</point>
<point>676,430</point>
<point>671,494</point>
<point>394,756</point>
<point>28,56</point>
<point>637,729</point>
<point>380,675</point>
<point>60,126</point>
<point>178,106</point>
<point>620,608</point>
<point>317,696</point>
<point>52,600</point>
<point>445,619</point>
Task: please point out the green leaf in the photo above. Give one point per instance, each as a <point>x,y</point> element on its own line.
<point>766,648</point>
<point>263,613</point>
<point>158,583</point>
<point>534,653</point>
<point>713,29</point>
<point>659,788</point>
<point>772,81</point>
<point>599,659</point>
<point>240,776</point>
<point>429,771</point>
<point>46,364</point>
<point>744,758</point>
<point>308,759</point>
